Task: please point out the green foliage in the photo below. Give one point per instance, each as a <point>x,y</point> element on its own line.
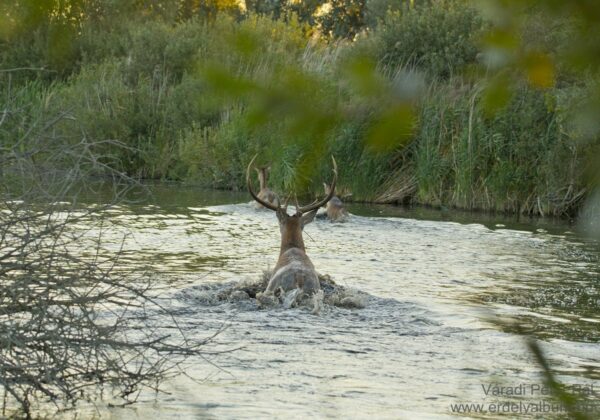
<point>31,97</point>
<point>332,18</point>
<point>344,19</point>
<point>194,99</point>
<point>520,160</point>
<point>377,10</point>
<point>553,46</point>
<point>439,39</point>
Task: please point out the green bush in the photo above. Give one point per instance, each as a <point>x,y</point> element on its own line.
<point>438,38</point>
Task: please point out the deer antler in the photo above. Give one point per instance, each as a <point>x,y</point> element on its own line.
<point>318,204</point>
<point>248,181</point>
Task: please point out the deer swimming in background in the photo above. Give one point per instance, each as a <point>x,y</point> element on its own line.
<point>336,212</point>
<point>265,194</point>
<point>293,270</point>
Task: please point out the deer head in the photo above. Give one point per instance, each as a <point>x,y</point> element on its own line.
<point>304,214</point>
<point>336,212</point>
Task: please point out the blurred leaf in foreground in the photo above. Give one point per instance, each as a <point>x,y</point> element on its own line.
<point>540,70</point>
<point>302,108</point>
<point>393,129</point>
<point>550,44</point>
<point>496,94</point>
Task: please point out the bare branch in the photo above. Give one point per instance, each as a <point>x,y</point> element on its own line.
<point>73,324</point>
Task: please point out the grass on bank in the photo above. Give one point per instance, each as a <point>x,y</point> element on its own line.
<point>297,99</point>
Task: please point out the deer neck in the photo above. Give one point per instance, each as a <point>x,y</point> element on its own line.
<point>292,239</point>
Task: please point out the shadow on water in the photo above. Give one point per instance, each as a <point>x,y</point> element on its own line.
<point>492,221</point>
<point>166,196</point>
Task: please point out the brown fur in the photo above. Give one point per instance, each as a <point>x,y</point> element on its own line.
<point>293,269</point>
<point>265,193</point>
<point>336,211</point>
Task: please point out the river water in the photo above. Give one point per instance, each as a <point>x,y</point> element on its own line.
<point>434,285</point>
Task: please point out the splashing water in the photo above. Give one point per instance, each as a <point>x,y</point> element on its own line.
<point>330,294</point>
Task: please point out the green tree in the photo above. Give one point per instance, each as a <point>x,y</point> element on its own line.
<point>344,18</point>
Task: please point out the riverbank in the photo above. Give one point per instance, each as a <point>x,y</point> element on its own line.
<point>186,194</point>
<point>194,99</point>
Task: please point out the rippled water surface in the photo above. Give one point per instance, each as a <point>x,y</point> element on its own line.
<point>431,282</point>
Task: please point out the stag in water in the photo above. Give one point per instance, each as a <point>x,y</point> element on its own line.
<point>265,194</point>
<point>336,212</point>
<point>293,270</point>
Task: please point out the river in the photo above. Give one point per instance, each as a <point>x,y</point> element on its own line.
<point>433,283</point>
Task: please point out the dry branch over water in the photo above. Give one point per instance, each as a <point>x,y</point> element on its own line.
<point>73,325</point>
